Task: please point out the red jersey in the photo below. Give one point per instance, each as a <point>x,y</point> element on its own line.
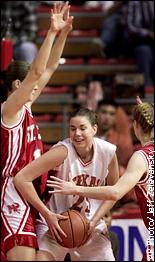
<point>21,144</point>
<point>145,187</point>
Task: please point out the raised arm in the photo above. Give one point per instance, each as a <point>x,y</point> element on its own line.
<point>31,86</point>
<point>23,91</point>
<point>60,21</point>
<point>135,170</point>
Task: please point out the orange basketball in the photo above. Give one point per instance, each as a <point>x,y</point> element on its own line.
<point>76,229</point>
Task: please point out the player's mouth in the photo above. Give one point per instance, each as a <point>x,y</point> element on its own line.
<point>78,140</point>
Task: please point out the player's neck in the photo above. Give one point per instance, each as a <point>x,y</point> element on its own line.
<point>148,143</point>
<point>86,156</point>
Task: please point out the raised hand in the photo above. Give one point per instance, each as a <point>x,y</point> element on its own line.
<point>60,18</point>
<point>138,100</point>
<point>61,186</point>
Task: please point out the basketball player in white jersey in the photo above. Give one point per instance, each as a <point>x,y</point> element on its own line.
<point>21,141</point>
<point>88,161</point>
<point>139,174</point>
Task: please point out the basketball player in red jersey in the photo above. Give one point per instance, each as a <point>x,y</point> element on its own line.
<point>139,174</point>
<point>21,141</point>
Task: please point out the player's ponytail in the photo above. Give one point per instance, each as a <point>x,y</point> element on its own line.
<point>143,113</point>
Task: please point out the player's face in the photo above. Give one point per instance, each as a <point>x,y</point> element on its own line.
<point>81,132</point>
<point>106,117</point>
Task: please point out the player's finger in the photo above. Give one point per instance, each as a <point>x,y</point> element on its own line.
<point>66,13</point>
<point>61,216</point>
<point>70,19</point>
<point>61,231</point>
<point>52,234</point>
<point>52,12</point>
<point>54,8</point>
<point>59,6</point>
<point>64,8</point>
<point>54,185</point>
<point>53,182</point>
<point>54,191</point>
<point>56,178</point>
<point>57,235</point>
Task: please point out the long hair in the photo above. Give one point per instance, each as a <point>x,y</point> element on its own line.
<point>16,70</point>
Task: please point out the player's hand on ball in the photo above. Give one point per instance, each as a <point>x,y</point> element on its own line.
<point>54,227</point>
<point>61,186</point>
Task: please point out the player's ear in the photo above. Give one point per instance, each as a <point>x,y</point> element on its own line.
<point>135,123</point>
<point>16,84</point>
<point>95,129</point>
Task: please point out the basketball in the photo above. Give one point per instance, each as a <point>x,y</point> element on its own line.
<point>75,227</point>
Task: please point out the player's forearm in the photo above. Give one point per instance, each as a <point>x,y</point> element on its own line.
<point>57,51</point>
<point>101,193</point>
<point>40,62</point>
<point>103,210</point>
<point>29,193</point>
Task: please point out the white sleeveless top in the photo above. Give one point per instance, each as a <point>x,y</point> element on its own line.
<point>92,173</point>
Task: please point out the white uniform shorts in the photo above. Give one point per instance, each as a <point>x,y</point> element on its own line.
<point>97,248</point>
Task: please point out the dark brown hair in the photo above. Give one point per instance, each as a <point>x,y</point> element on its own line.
<point>16,70</point>
<point>89,114</point>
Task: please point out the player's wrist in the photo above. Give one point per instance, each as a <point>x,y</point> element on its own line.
<point>45,213</point>
<point>51,33</point>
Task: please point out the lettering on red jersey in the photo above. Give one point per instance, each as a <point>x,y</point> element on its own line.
<point>31,134</point>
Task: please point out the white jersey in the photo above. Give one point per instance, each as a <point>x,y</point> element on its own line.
<point>92,173</point>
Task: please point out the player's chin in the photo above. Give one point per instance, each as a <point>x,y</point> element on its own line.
<point>30,100</point>
<point>79,143</point>
<point>31,97</point>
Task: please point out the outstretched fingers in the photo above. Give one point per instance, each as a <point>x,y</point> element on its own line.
<point>65,8</point>
<point>66,13</point>
<point>53,183</point>
<point>55,8</point>
<point>56,179</point>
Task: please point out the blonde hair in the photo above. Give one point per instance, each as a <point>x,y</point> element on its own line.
<point>143,113</point>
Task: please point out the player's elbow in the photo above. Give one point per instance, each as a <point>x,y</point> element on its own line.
<point>53,68</point>
<point>17,181</point>
<point>115,195</point>
<point>38,72</point>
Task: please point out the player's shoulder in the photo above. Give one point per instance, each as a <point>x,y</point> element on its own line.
<point>104,144</point>
<point>65,142</point>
